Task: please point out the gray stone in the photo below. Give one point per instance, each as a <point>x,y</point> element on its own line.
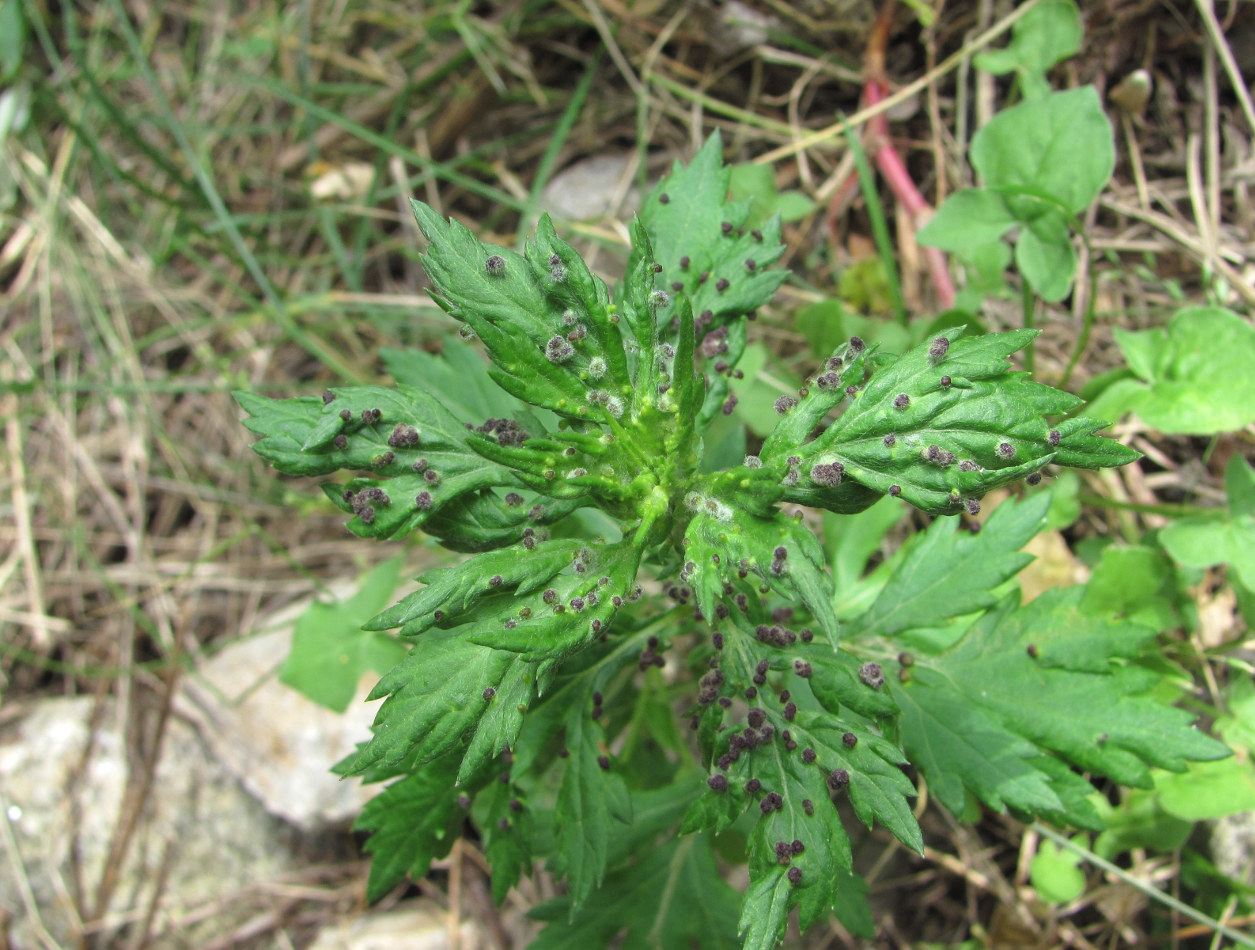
<point>590,188</point>
<point>421,927</point>
<point>199,838</point>
<point>279,744</point>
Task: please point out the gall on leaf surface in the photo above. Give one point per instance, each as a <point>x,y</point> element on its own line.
<point>907,432</point>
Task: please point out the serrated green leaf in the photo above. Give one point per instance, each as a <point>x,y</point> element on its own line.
<point>415,444</point>
<point>436,699</point>
<point>765,910</point>
<point>455,591</point>
<point>1050,675</point>
<point>411,823</point>
<point>505,823</point>
<point>518,305</point>
<point>593,803</point>
<point>674,897</point>
<point>947,573</point>
<point>331,650</point>
<point>936,445</point>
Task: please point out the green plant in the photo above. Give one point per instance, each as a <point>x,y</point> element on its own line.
<point>1041,162</point>
<point>620,576</point>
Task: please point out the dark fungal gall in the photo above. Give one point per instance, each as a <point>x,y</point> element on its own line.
<point>722,284</point>
<point>603,762</point>
<point>489,693</point>
<point>794,876</point>
<point>1006,450</point>
<point>901,401</point>
<point>1053,437</point>
<point>838,779</point>
<point>1033,478</point>
<point>664,198</point>
<point>938,348</point>
<point>495,265</point>
<point>871,674</point>
<point>1032,651</point>
<point>849,739</point>
<point>718,783</point>
<point>341,442</point>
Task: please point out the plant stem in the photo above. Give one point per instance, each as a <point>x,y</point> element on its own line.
<point>880,227</point>
<point>1028,303</point>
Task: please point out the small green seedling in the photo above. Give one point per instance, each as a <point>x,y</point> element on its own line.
<point>640,665</point>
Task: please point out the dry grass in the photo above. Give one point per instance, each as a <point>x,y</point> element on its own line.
<point>161,248</point>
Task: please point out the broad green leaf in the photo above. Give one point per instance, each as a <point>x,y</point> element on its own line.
<point>411,823</point>
<point>1055,874</point>
<point>505,822</point>
<point>673,896</point>
<point>1194,374</point>
<point>968,219</point>
<point>757,184</point>
<point>1239,483</point>
<point>1208,790</point>
<point>1202,542</point>
<point>1061,145</point>
<point>330,648</point>
<point>1049,33</point>
<point>947,573</point>
<point>1045,257</point>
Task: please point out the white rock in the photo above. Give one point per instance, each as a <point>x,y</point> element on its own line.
<point>588,189</point>
<point>63,785</point>
<point>278,743</point>
<point>414,928</point>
